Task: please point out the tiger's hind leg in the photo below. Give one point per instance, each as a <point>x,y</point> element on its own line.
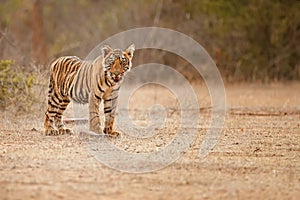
<point>53,119</point>
<point>49,126</point>
<point>53,124</point>
<point>57,100</point>
<point>58,118</point>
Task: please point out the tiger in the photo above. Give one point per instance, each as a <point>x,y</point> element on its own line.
<point>73,79</point>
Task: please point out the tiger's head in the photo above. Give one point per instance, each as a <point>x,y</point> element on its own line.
<point>116,63</point>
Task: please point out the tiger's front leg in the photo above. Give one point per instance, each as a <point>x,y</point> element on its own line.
<point>94,119</point>
<point>110,105</point>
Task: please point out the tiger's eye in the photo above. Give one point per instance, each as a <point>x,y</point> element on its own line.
<point>124,61</point>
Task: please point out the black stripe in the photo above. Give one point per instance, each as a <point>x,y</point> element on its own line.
<point>107,83</point>
<point>84,68</point>
<point>50,89</point>
<point>61,91</point>
<point>85,94</point>
<point>105,79</point>
<point>52,112</point>
<point>66,101</point>
<point>107,111</point>
<point>56,96</point>
<point>71,92</point>
<point>58,67</point>
<point>87,76</point>
<point>51,100</point>
<point>74,62</point>
<point>68,63</point>
<point>97,97</point>
<point>76,83</point>
<point>107,108</point>
<point>61,103</point>
<point>71,78</point>
<point>60,107</point>
<point>53,105</point>
<point>79,81</point>
<point>99,87</point>
<point>87,84</point>
<point>68,69</point>
<point>111,99</point>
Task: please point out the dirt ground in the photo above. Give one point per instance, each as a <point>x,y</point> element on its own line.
<point>257,155</point>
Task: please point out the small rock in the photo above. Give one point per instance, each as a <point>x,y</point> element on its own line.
<point>34,129</point>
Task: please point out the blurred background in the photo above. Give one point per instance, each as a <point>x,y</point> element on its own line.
<point>250,41</point>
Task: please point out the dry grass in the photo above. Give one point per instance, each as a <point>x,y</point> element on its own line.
<point>257,156</point>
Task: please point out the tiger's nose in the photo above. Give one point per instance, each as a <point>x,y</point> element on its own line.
<point>117,76</point>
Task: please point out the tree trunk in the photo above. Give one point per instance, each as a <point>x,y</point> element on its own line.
<point>39,51</point>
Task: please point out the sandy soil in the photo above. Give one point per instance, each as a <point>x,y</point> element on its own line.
<point>257,155</point>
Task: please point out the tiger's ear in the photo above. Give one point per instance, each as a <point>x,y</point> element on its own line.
<point>106,49</point>
<point>130,50</point>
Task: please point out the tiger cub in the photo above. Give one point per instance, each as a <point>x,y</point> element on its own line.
<point>87,82</point>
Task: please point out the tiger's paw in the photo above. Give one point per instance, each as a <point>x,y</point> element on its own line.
<point>114,134</point>
<point>51,132</point>
<point>63,131</point>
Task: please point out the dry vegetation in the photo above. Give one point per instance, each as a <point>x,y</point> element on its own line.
<point>257,155</point>
<point>254,40</point>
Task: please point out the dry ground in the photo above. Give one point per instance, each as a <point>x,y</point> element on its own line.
<point>257,155</point>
